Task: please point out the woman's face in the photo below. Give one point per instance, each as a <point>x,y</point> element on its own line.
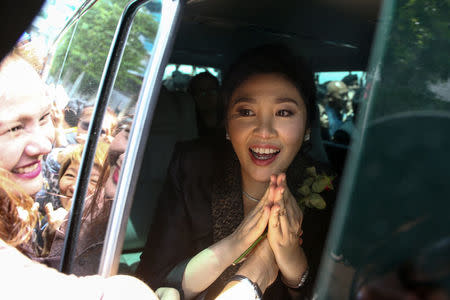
<point>116,155</point>
<point>69,179</point>
<point>266,122</point>
<point>84,122</point>
<point>26,128</point>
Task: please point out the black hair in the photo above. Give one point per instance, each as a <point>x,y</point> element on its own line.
<point>277,59</point>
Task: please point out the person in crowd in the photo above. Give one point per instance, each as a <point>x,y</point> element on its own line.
<point>52,165</point>
<point>70,163</point>
<point>352,83</point>
<point>108,127</point>
<point>204,88</point>
<point>96,212</point>
<point>83,121</point>
<point>339,111</point>
<point>220,198</point>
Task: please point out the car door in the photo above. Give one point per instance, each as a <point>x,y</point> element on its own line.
<point>390,235</point>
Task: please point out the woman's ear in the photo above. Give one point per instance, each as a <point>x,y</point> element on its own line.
<point>307,135</point>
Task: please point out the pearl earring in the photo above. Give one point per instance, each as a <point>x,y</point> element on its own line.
<point>306,137</point>
<point>227,136</point>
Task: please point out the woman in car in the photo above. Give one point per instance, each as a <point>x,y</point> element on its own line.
<point>219,198</point>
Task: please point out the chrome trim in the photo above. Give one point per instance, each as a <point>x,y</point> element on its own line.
<point>148,97</point>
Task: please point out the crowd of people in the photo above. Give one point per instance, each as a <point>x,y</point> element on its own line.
<point>338,106</point>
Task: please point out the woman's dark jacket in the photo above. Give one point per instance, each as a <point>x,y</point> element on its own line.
<point>201,203</point>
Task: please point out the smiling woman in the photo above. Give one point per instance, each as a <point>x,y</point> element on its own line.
<point>266,125</point>
<point>223,195</point>
<point>26,129</point>
<point>70,163</point>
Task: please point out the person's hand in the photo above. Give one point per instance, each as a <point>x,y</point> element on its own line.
<point>284,234</point>
<point>261,266</point>
<point>57,116</point>
<point>55,217</point>
<point>166,293</point>
<point>254,224</point>
<point>107,138</point>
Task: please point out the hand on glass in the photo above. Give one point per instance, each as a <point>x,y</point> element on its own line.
<point>55,217</point>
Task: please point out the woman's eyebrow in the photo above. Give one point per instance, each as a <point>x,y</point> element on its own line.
<point>286,99</point>
<point>243,99</point>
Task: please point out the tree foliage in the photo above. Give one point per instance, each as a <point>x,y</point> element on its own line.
<point>90,42</point>
<point>416,56</point>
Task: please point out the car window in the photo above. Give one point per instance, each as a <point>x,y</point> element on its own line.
<point>338,98</point>
<point>75,72</point>
<point>177,76</point>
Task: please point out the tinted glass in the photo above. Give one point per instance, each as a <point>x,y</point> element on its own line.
<point>76,71</point>
<point>390,238</point>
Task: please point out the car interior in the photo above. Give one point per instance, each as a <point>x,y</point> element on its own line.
<point>331,35</point>
<point>391,222</point>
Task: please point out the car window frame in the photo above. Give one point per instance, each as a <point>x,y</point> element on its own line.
<point>147,100</point>
<point>138,134</point>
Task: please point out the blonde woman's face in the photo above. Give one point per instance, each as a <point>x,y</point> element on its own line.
<point>26,128</point>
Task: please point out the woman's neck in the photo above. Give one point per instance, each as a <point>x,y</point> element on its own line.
<point>253,188</point>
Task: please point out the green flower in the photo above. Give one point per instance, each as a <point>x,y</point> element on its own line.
<point>311,188</point>
<point>314,200</point>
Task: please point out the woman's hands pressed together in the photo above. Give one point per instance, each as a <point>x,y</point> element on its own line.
<point>255,222</point>
<point>284,232</point>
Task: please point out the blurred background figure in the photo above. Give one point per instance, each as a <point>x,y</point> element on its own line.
<point>116,155</point>
<point>70,163</point>
<point>33,50</point>
<point>108,127</point>
<point>339,112</point>
<point>351,81</point>
<point>97,205</point>
<point>50,192</point>
<point>204,88</point>
<point>425,275</point>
